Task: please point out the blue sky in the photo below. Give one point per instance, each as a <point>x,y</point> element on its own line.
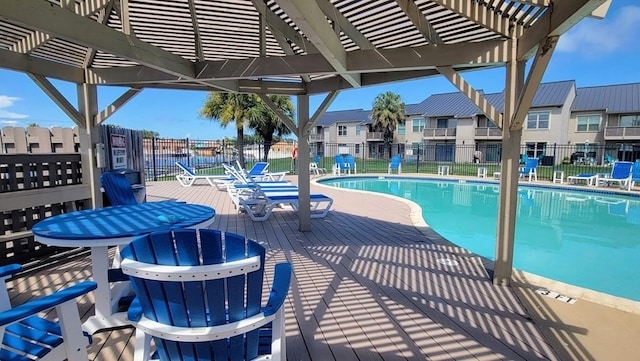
<point>594,52</point>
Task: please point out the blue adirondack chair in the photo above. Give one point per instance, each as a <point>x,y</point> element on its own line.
<point>530,169</point>
<point>351,164</point>
<point>26,336</point>
<point>314,167</point>
<point>340,165</point>
<point>395,164</point>
<point>118,189</point>
<point>199,295</point>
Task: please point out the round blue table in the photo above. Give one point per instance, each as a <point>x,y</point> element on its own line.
<point>102,228</point>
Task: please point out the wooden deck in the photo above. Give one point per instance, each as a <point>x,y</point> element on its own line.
<point>368,285</point>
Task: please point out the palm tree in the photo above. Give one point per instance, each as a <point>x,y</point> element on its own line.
<point>269,123</point>
<point>388,111</point>
<point>232,107</point>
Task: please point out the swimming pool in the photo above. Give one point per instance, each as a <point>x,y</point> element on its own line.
<point>589,239</point>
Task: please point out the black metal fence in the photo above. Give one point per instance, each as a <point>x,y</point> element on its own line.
<point>462,159</point>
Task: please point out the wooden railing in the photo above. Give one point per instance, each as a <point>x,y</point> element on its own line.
<point>33,187</point>
<point>622,133</point>
<point>375,136</point>
<point>439,133</point>
<point>489,132</point>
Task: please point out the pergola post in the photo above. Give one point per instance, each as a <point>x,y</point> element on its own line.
<point>509,172</point>
<point>304,209</point>
<point>89,137</point>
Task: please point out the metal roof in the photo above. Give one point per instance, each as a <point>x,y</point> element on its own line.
<point>620,98</point>
<point>344,116</point>
<point>271,46</point>
<point>453,105</point>
<point>552,94</point>
<point>624,97</point>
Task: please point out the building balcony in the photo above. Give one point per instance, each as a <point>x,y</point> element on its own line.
<point>439,133</point>
<point>488,133</point>
<point>375,136</point>
<point>622,133</point>
<point>316,137</point>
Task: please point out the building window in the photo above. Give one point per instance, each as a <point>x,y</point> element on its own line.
<point>342,130</point>
<point>357,130</point>
<point>401,129</point>
<point>418,125</point>
<point>357,148</point>
<point>536,150</point>
<point>538,120</point>
<point>588,123</point>
<point>630,120</point>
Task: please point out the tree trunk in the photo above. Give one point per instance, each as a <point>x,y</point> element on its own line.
<point>240,145</point>
<point>268,141</point>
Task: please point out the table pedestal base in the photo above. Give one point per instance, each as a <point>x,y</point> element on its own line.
<point>95,323</point>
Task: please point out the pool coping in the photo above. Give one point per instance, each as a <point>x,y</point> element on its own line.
<point>524,278</point>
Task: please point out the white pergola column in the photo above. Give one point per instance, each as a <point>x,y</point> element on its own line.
<point>518,97</point>
<point>89,137</point>
<point>304,210</point>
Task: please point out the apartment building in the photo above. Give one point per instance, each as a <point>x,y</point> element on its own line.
<point>597,121</point>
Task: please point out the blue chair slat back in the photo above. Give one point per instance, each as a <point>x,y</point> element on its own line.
<point>340,162</point>
<point>395,161</point>
<point>351,161</point>
<point>621,170</point>
<point>258,169</point>
<point>635,171</point>
<point>209,303</point>
<point>530,164</point>
<point>185,168</point>
<point>316,159</point>
<point>118,189</point>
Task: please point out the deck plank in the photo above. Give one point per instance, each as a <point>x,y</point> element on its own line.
<point>368,285</point>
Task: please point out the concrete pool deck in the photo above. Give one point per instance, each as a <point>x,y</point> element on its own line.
<point>596,327</point>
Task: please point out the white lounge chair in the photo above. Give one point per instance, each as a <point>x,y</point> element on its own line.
<point>256,190</point>
<point>590,179</point>
<point>620,174</point>
<point>259,209</point>
<point>259,172</point>
<point>188,177</point>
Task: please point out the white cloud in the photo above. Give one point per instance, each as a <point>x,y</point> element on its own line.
<point>6,102</point>
<point>9,122</point>
<point>615,32</point>
<point>11,115</point>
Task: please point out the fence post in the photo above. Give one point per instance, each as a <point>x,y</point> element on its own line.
<point>364,166</point>
<point>418,159</point>
<point>186,144</point>
<point>553,166</point>
<point>153,158</point>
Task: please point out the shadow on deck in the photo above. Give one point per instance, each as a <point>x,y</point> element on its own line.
<point>368,285</point>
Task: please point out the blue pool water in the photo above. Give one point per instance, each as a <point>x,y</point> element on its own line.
<point>589,239</point>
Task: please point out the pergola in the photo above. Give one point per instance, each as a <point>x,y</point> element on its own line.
<point>293,47</point>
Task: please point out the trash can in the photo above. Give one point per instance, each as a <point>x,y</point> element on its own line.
<point>135,179</point>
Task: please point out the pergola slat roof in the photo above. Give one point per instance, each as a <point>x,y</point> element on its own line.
<point>207,34</point>
<point>294,47</point>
